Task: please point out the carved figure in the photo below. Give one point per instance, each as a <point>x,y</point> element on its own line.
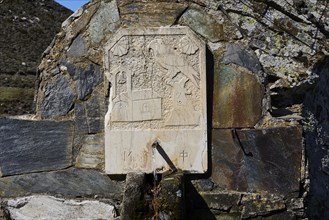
<point>187,46</point>
<point>172,61</point>
<point>121,48</point>
<point>182,112</point>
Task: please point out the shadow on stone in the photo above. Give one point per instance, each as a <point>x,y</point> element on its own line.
<point>210,86</point>
<point>196,206</point>
<point>316,129</point>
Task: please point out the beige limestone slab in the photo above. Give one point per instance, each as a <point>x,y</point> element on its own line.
<point>157,95</point>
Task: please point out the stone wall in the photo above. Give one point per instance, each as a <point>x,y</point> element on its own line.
<point>263,60</point>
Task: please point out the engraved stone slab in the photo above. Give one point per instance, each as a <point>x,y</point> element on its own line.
<point>158,95</point>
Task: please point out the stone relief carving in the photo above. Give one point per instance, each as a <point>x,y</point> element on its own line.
<point>157,95</point>
<point>187,46</point>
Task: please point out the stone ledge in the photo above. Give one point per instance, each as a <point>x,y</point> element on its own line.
<point>33,146</point>
<point>48,207</point>
<point>68,183</point>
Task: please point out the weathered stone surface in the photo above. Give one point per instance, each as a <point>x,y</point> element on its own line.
<point>59,98</point>
<point>48,207</point>
<point>126,2</point>
<point>247,59</point>
<point>105,21</point>
<point>86,79</point>
<point>31,146</point>
<point>78,47</point>
<point>222,201</point>
<point>2,213</point>
<point>237,100</point>
<point>203,184</point>
<point>68,183</point>
<point>169,197</point>
<point>257,205</point>
<point>79,19</point>
<point>133,203</point>
<point>316,128</point>
<point>264,160</point>
<point>213,204</point>
<point>91,154</point>
<point>88,115</point>
<point>151,14</point>
<point>203,23</point>
<point>157,101</point>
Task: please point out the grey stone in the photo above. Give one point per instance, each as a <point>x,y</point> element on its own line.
<point>31,146</point>
<point>86,79</point>
<point>247,59</point>
<point>59,98</point>
<point>81,123</point>
<point>170,195</point>
<point>203,23</point>
<point>164,216</point>
<point>71,69</point>
<point>80,19</point>
<point>78,47</point>
<point>203,184</point>
<point>257,205</point>
<point>150,14</point>
<point>48,207</point>
<point>133,195</point>
<point>68,183</point>
<point>55,71</point>
<point>220,200</point>
<point>258,160</point>
<point>88,115</point>
<point>91,154</point>
<point>106,20</point>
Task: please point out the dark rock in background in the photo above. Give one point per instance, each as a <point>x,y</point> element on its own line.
<point>34,146</point>
<point>27,28</point>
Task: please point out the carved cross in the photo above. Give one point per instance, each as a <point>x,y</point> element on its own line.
<point>183,154</point>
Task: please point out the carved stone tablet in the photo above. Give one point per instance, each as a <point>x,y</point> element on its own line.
<point>157,113</point>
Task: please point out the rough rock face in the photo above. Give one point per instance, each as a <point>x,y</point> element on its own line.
<point>267,74</point>
<point>316,138</point>
<point>45,146</point>
<point>47,207</point>
<point>27,28</point>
